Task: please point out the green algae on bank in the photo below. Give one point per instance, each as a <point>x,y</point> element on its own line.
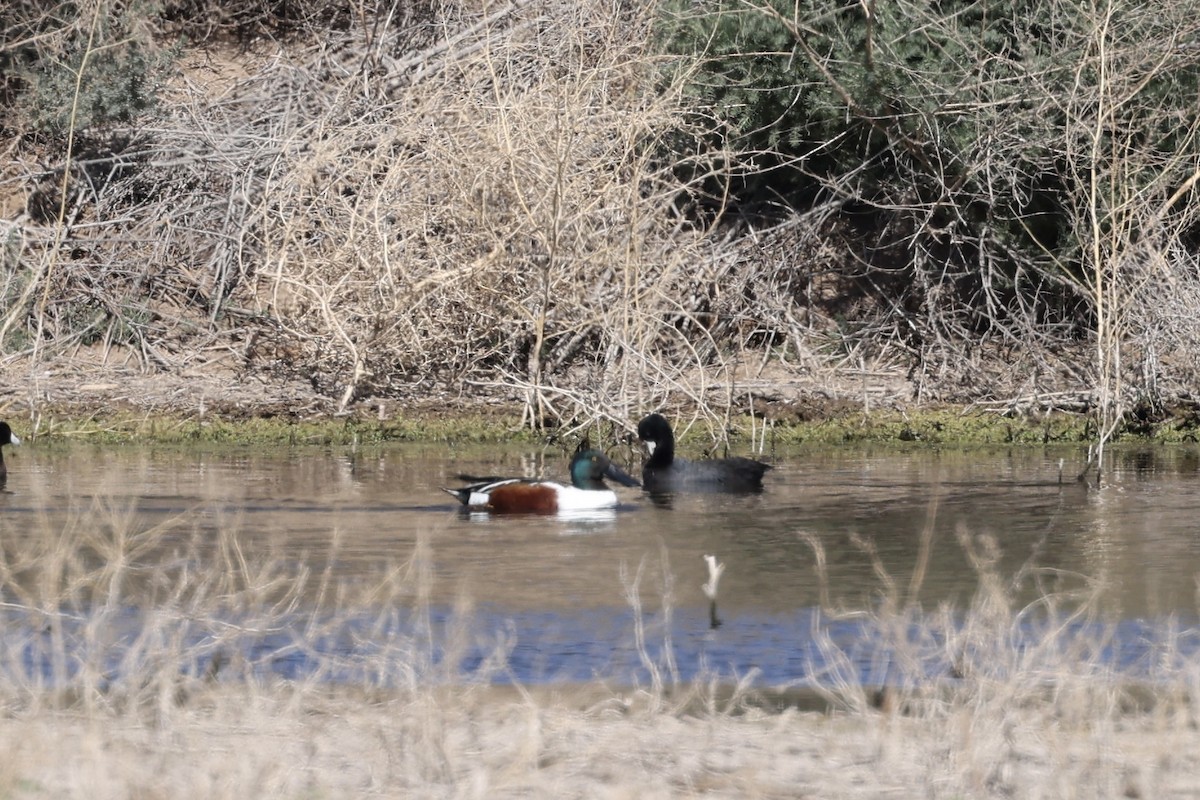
<point>941,426</point>
<point>933,426</point>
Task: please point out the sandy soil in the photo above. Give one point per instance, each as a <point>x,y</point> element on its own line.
<point>81,388</point>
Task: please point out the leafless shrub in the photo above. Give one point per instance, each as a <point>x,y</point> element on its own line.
<point>452,198</point>
<point>491,210</point>
<point>1133,155</point>
<point>1005,158</point>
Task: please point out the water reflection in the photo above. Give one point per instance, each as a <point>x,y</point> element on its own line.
<point>1135,535</point>
<point>587,520</point>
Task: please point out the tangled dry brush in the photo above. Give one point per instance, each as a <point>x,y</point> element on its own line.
<point>472,198</point>
<point>420,199</point>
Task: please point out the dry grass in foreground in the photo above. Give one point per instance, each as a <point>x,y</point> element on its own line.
<point>297,741</point>
<point>125,671</point>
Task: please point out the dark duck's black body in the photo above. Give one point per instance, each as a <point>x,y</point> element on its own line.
<point>6,437</point>
<point>665,473</point>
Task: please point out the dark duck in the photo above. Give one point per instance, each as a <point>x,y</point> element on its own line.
<point>665,473</point>
<point>6,437</point>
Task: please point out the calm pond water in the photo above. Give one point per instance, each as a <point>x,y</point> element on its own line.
<point>557,588</point>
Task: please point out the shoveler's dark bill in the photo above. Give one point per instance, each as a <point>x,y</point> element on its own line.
<point>613,472</point>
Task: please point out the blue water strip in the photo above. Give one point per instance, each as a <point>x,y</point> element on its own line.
<point>398,647</point>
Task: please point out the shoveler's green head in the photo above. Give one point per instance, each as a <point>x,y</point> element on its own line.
<point>589,468</point>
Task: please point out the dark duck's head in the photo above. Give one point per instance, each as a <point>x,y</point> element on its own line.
<point>655,432</point>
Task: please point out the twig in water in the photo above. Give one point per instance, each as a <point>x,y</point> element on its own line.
<point>710,589</point>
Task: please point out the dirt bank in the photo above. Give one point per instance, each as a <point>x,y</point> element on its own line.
<point>228,404</point>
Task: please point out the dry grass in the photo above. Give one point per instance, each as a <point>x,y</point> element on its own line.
<point>474,745</point>
<point>133,704</point>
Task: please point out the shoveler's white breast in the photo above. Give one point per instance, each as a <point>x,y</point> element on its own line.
<point>518,495</point>
<point>573,499</point>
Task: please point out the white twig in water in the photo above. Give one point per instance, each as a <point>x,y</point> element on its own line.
<point>710,589</point>
<point>714,577</point>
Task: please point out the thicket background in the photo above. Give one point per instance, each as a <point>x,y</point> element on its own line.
<point>602,207</point>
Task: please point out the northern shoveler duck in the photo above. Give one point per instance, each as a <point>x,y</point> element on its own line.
<point>664,473</point>
<point>6,437</point>
<point>588,491</point>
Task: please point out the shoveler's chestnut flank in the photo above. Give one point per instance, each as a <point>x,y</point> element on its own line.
<point>6,437</point>
<point>664,473</point>
<point>588,491</point>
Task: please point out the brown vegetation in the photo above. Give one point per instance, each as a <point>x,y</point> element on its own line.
<point>512,201</point>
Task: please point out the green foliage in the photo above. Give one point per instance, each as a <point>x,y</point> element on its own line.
<point>968,129</point>
<point>115,90</point>
<point>105,53</point>
<point>841,89</point>
<point>461,429</point>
